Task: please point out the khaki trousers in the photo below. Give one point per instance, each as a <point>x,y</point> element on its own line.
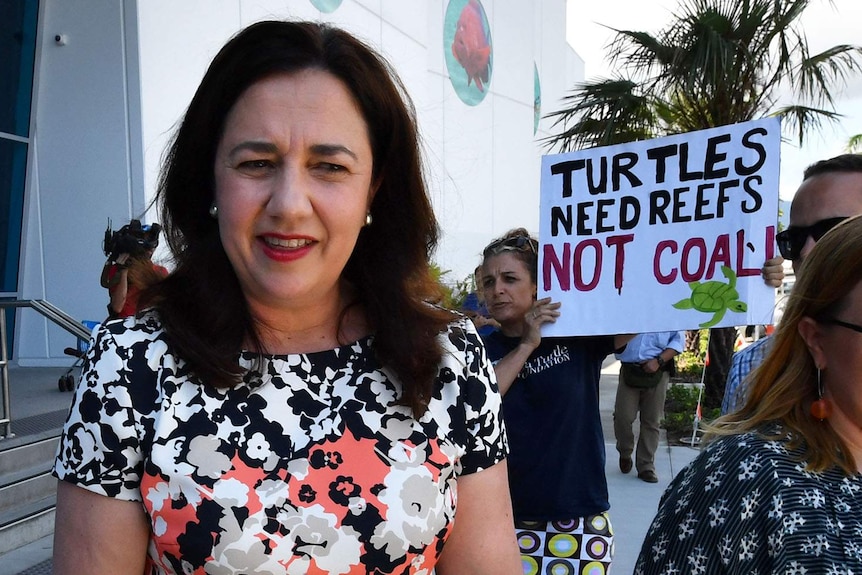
<point>650,403</point>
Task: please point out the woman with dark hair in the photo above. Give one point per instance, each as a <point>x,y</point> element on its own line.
<point>289,402</point>
<point>778,489</point>
<point>550,390</point>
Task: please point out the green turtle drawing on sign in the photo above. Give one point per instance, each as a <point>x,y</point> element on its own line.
<point>714,297</point>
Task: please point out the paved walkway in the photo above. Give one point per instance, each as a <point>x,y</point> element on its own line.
<point>34,392</point>
<point>633,502</point>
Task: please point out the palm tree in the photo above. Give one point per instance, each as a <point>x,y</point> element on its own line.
<point>716,62</point>
<point>854,144</point>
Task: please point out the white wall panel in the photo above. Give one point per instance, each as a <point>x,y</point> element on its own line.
<point>357,19</point>
<point>516,168</point>
<point>560,67</point>
<point>431,114</point>
<point>108,102</point>
<point>512,36</point>
<point>468,173</point>
<point>410,17</point>
<point>435,11</point>
<point>257,10</point>
<point>373,6</point>
<point>31,330</point>
<point>407,56</point>
<point>177,42</point>
<point>81,173</point>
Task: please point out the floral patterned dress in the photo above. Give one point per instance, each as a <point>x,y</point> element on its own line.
<point>307,466</point>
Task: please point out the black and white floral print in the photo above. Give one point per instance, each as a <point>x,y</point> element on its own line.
<point>747,505</point>
<point>308,466</point>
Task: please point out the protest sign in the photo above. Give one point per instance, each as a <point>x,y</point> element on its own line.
<point>661,234</point>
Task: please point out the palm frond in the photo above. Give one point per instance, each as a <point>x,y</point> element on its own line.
<point>799,119</point>
<point>821,72</point>
<point>602,112</point>
<point>715,62</point>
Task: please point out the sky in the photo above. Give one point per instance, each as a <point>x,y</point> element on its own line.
<point>825,25</point>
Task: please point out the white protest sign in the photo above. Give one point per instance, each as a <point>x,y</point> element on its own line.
<point>661,234</point>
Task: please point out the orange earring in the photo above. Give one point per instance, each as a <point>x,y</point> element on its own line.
<point>821,408</point>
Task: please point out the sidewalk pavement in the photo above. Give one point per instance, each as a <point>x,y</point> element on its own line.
<point>34,392</point>
<point>633,502</point>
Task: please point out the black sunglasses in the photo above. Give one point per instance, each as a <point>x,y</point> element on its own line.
<point>847,324</point>
<point>792,240</point>
<point>516,243</point>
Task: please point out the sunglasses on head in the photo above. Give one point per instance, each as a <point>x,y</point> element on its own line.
<point>516,243</point>
<point>792,240</point>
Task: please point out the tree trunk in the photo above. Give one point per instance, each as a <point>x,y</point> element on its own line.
<point>720,351</point>
<point>692,340</point>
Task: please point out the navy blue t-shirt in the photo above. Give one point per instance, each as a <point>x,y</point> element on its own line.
<point>557,448</point>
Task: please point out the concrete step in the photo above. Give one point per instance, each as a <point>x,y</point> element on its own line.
<point>26,488</point>
<point>39,409</point>
<point>26,524</point>
<point>33,453</point>
<point>28,491</point>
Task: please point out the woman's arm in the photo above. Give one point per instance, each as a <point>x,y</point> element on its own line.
<point>98,534</point>
<point>118,283</point>
<point>120,290</point>
<point>509,366</point>
<point>104,279</point>
<point>483,536</point>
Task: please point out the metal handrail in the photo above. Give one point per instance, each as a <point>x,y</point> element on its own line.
<point>6,420</point>
<point>53,313</point>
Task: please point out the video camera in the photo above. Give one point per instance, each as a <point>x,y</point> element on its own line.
<point>133,239</point>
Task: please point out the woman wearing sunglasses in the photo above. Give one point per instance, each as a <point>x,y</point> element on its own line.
<point>550,393</point>
<point>778,489</point>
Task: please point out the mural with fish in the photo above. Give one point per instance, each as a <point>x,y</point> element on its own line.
<point>468,50</point>
<point>326,6</point>
<point>537,99</point>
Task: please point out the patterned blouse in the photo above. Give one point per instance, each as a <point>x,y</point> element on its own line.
<point>308,466</point>
<point>747,505</point>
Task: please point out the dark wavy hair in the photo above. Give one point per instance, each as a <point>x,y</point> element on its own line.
<point>201,305</point>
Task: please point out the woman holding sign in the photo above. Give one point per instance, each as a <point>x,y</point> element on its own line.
<point>551,405</point>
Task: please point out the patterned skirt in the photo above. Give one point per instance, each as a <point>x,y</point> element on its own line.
<point>581,546</point>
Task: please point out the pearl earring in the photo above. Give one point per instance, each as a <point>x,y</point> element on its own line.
<point>214,211</point>
<point>821,408</point>
<point>368,219</point>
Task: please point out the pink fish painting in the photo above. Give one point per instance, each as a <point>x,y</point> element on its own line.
<point>471,47</point>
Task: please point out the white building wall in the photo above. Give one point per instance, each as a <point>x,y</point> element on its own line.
<point>108,101</point>
<point>85,165</point>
